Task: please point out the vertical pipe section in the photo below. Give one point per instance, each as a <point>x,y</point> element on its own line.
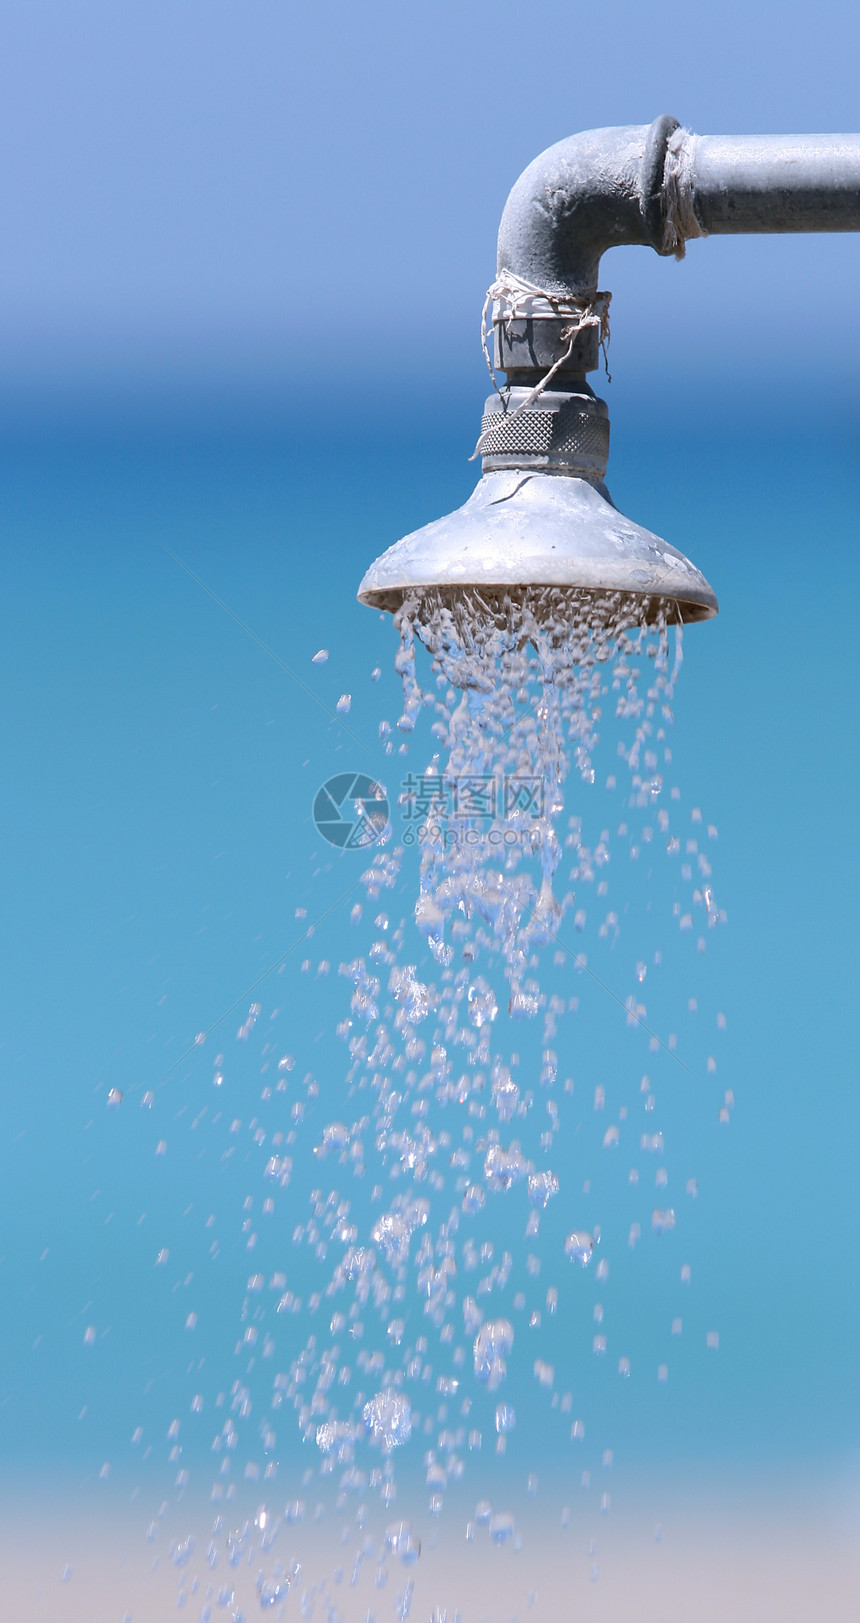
<point>758,183</point>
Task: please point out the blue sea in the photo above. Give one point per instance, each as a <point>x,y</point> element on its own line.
<point>169,576</point>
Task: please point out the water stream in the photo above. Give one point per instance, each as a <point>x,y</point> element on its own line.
<point>431,1316</point>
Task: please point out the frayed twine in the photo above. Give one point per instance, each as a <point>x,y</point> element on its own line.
<point>512,299</point>
<point>679,194</point>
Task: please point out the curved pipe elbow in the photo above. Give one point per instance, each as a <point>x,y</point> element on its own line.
<point>605,188</point>
<point>597,190</point>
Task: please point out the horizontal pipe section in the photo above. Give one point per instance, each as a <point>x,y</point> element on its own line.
<point>757,183</point>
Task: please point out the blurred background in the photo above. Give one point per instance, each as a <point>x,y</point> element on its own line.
<point>244,253</point>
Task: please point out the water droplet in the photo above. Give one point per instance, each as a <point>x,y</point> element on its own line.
<point>335,1137</point>
<point>402,1542</point>
<point>410,993</point>
<point>579,1247</point>
<point>388,1418</point>
<point>472,1315</point>
<point>506,1094</point>
<point>272,1592</point>
<point>502,1528</point>
<point>391,1234</point>
<point>336,1438</point>
<point>482,1005</point>
<point>542,1187</point>
<point>492,1345</point>
<point>502,1168</point>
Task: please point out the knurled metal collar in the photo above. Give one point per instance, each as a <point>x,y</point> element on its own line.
<point>563,433</point>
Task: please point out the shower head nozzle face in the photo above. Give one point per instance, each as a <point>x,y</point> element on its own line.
<point>521,530</point>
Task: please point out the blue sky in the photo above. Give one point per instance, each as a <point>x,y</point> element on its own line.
<point>203,190</point>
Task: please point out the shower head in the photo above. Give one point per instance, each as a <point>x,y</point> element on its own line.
<point>541,516</point>
<point>519,531</point>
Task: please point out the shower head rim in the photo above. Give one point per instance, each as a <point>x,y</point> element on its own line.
<point>521,530</point>
<point>690,610</point>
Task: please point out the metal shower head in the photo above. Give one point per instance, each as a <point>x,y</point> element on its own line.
<point>525,527</point>
<point>522,530</point>
<point>542,516</point>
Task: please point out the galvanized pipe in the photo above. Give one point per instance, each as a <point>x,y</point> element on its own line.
<point>605,188</point>
<point>776,182</point>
